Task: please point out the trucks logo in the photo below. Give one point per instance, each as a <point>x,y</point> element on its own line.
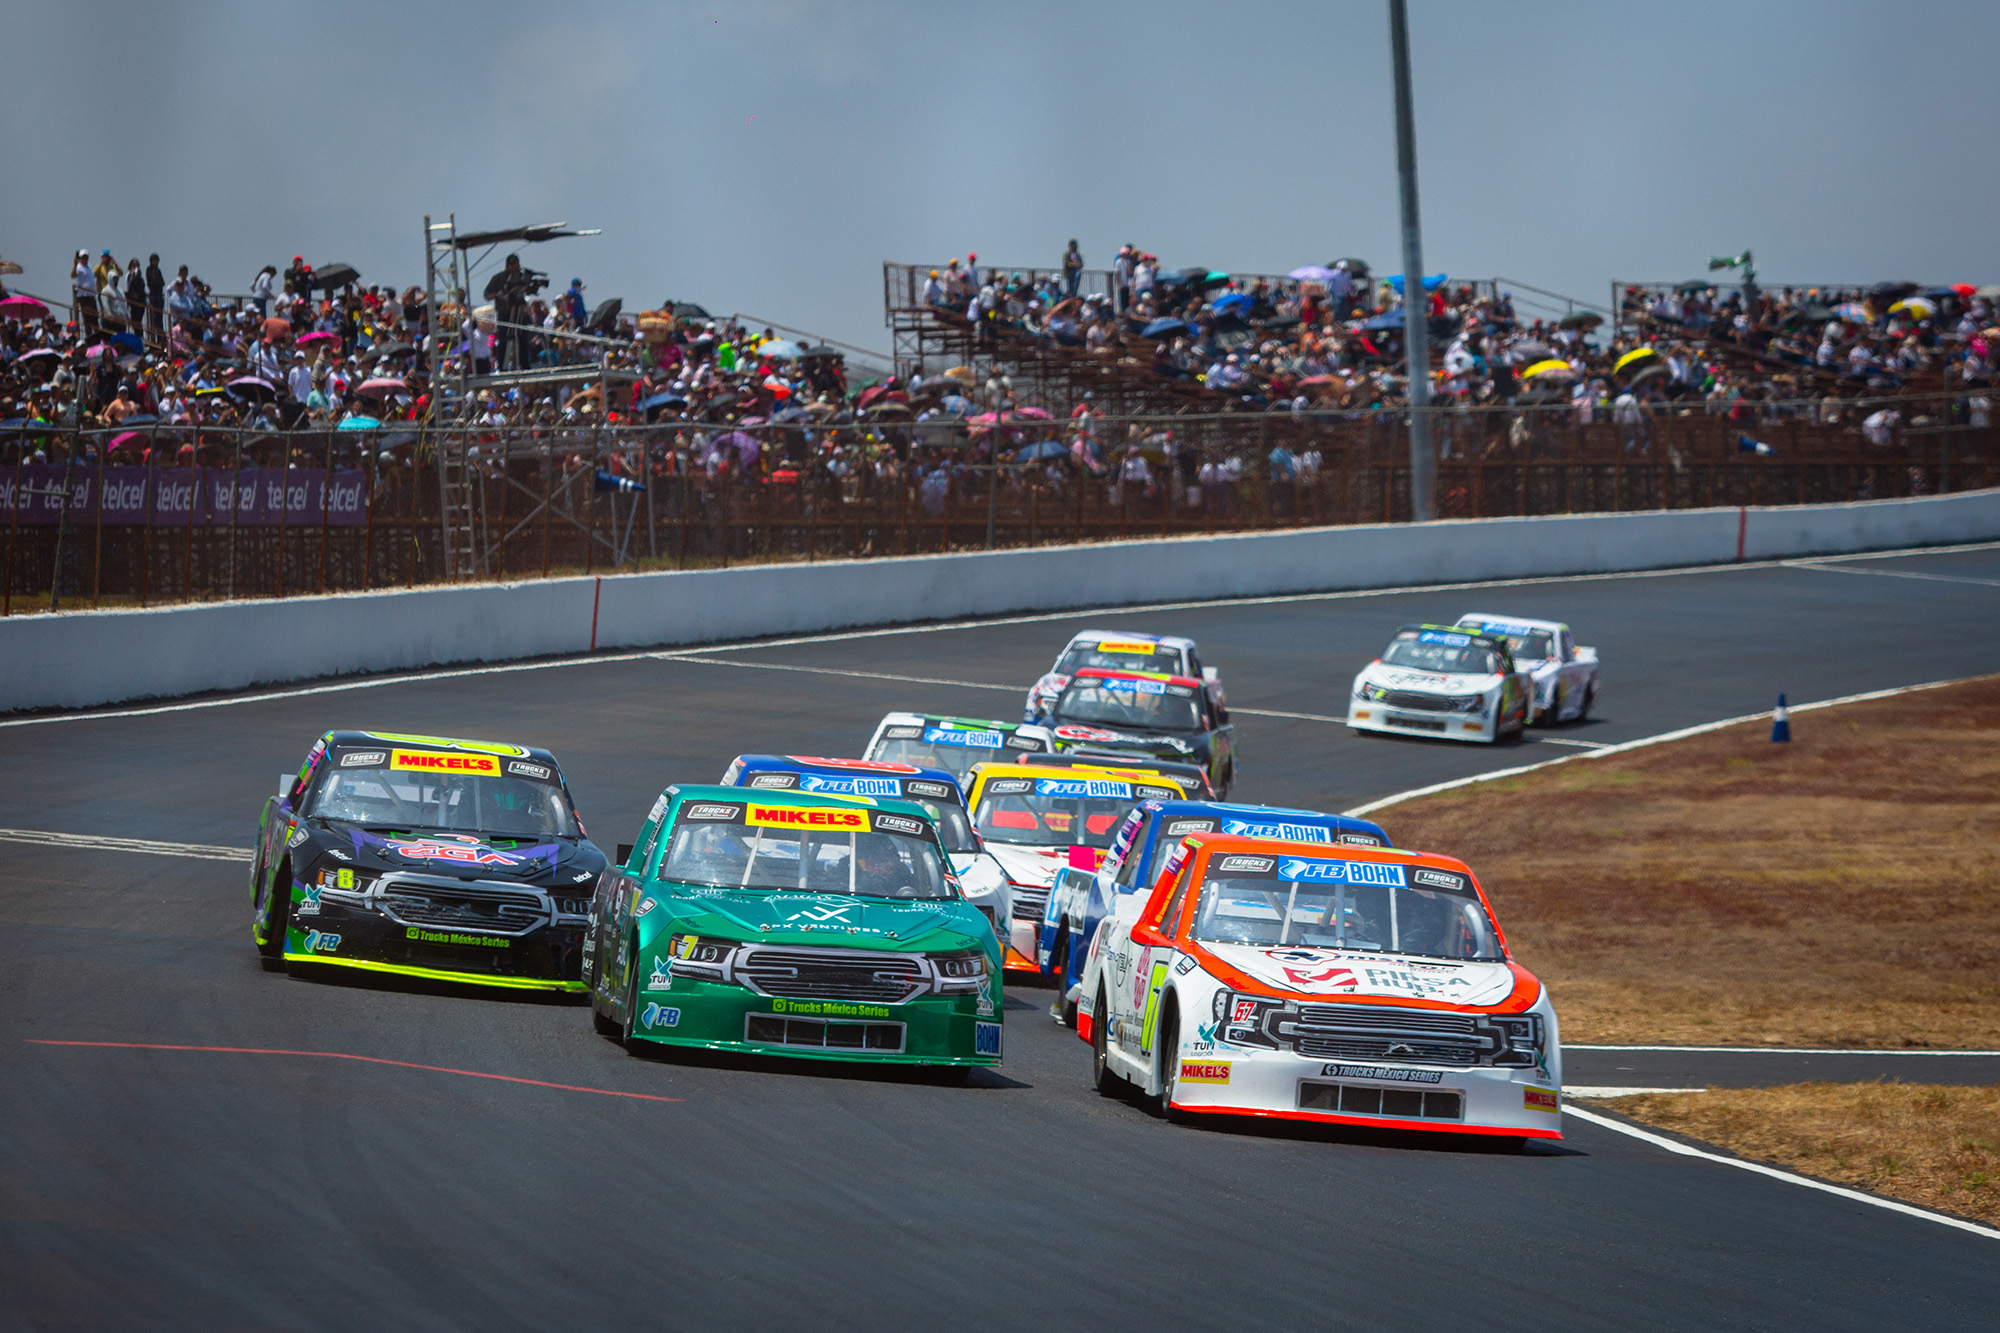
<point>711,813</point>
<point>425,762</point>
<point>456,848</point>
<point>1157,793</point>
<point>902,733</point>
<point>1019,742</point>
<point>1247,865</point>
<point>1008,786</point>
<point>903,824</point>
<point>984,740</point>
<point>1361,840</point>
<point>657,1015</point>
<point>320,942</point>
<point>1084,787</point>
<point>852,786</point>
<point>1283,832</point>
<point>364,759</point>
<point>520,770</point>
<point>775,781</point>
<point>940,791</point>
<point>1180,828</point>
<point>806,817</point>
<point>1343,872</point>
<point>1439,879</point>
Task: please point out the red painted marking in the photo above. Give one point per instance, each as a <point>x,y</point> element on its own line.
<point>1742,526</point>
<point>366,1059</point>
<point>597,594</point>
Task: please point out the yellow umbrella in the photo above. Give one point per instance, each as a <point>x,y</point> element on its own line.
<point>1553,366</point>
<point>1915,306</point>
<point>1636,354</point>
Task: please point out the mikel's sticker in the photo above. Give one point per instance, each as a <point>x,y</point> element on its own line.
<point>1541,1099</point>
<point>1208,1071</point>
<point>807,817</point>
<point>422,761</point>
<point>1125,646</point>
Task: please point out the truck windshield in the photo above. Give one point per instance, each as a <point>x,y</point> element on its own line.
<point>1268,911</point>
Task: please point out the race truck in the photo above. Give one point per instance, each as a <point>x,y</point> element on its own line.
<point>1352,985</point>
<point>1038,821</point>
<point>1192,779</point>
<point>980,877</point>
<point>954,744</point>
<point>1442,681</point>
<point>1564,673</point>
<point>1119,650</point>
<point>1113,714</point>
<point>425,856</point>
<point>794,923</point>
<point>1153,832</point>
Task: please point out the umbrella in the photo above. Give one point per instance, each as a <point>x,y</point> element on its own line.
<point>1947,293</point>
<point>392,349</point>
<point>1039,450</point>
<point>1167,328</point>
<point>1234,303</point>
<point>1553,368</point>
<point>1392,320</point>
<point>1891,291</point>
<point>746,446</point>
<point>1854,312</point>
<point>1963,289</point>
<point>611,481</point>
<point>141,419</point>
<point>313,339</point>
<point>1694,285</point>
<point>252,386</point>
<point>780,349</point>
<point>822,353</point>
<point>277,328</point>
<point>359,423</point>
<point>689,310</point>
<point>1636,354</point>
<point>22,307</point>
<point>963,374</point>
<point>100,349</point>
<point>659,400</point>
<point>956,404</point>
<point>334,275</point>
<point>38,353</point>
<point>1582,319</point>
<point>1432,281</point>
<point>1648,372</point>
<point>1916,307</point>
<point>376,388</point>
<point>1311,273</point>
<point>1533,350</point>
<point>605,314</point>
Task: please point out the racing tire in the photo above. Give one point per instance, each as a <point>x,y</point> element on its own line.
<point>603,1026</point>
<point>632,1044</point>
<point>1589,698</point>
<point>274,923</point>
<point>1108,1083</point>
<point>1170,1068</point>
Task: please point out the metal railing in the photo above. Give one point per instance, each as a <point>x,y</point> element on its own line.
<point>181,513</point>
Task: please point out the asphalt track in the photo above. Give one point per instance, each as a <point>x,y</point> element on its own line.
<point>267,1186</point>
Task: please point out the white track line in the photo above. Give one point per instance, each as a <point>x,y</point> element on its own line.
<point>1644,741</point>
<point>1890,573</point>
<point>1684,1150</point>
<point>1571,1091</point>
<point>453,673</point>
<point>1021,690</point>
<point>1564,740</point>
<point>1773,1050</point>
<point>199,851</point>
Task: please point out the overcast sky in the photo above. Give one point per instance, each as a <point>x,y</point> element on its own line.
<point>767,155</point>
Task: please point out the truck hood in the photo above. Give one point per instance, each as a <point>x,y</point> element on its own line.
<point>1431,682</point>
<point>1037,866</point>
<point>1335,972</point>
<point>554,862</point>
<point>825,920</point>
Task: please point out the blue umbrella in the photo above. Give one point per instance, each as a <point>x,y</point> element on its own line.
<point>1165,328</point>
<point>668,399</point>
<point>1392,320</point>
<point>957,404</point>
<point>360,423</point>
<point>1311,273</point>
<point>1432,281</point>
<point>1235,302</point>
<point>1040,450</point>
<point>611,481</point>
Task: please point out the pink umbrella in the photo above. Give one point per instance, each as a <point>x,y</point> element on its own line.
<point>376,388</point>
<point>312,339</point>
<point>22,307</point>
<point>129,437</point>
<point>100,349</point>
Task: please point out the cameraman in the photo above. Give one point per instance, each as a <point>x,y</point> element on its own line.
<point>508,290</point>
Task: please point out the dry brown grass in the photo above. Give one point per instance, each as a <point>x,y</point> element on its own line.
<point>1934,1146</point>
<point>1843,890</point>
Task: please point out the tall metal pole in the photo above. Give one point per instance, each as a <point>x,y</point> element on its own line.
<point>1416,328</point>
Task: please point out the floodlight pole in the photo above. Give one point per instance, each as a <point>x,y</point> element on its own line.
<point>1416,326</point>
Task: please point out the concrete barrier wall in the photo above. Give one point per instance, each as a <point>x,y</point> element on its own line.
<point>98,657</point>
